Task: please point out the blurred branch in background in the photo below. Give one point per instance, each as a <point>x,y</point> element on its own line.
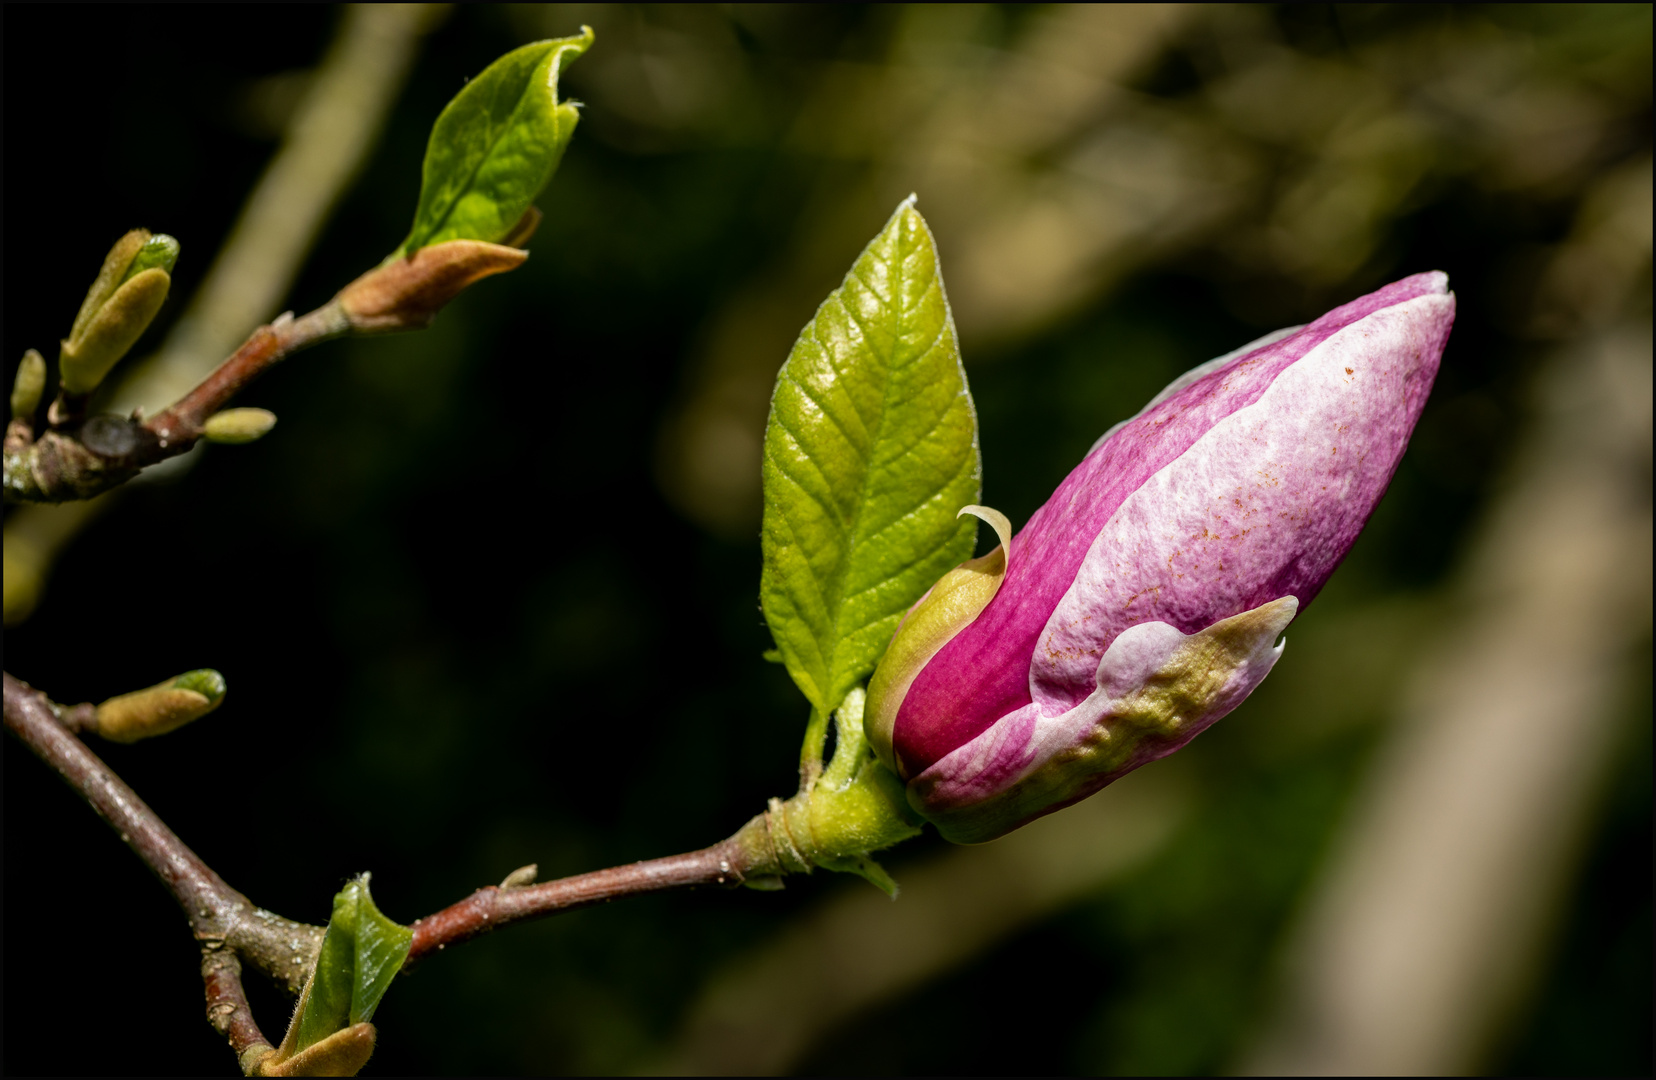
<point>1057,155</point>
<point>330,134</point>
<point>1425,938</point>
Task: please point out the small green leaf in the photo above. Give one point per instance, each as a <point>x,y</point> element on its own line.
<point>361,953</point>
<point>204,681</point>
<point>160,252</point>
<point>870,450</point>
<point>495,146</point>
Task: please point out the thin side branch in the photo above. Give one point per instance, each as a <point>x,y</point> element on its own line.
<point>227,1008</point>
<point>181,422</point>
<point>82,456</point>
<point>218,915</point>
<point>488,908</point>
<point>230,928</point>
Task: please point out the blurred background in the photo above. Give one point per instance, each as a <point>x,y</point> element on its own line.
<point>487,594</point>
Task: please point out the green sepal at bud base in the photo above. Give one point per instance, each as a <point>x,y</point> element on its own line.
<point>237,426</point>
<point>167,706</point>
<point>28,386</point>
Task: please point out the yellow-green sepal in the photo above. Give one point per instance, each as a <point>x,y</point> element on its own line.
<point>948,608</point>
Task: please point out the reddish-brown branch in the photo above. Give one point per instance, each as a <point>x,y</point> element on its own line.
<point>492,907</point>
<point>80,456</point>
<point>181,422</point>
<point>230,928</point>
<point>227,1008</point>
<point>199,891</point>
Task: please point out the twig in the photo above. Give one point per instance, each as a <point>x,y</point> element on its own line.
<point>227,1008</point>
<point>488,908</point>
<point>230,928</point>
<point>89,456</point>
<point>331,134</point>
<point>219,916</point>
<point>181,422</point>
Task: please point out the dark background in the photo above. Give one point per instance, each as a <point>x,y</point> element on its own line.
<point>465,630</point>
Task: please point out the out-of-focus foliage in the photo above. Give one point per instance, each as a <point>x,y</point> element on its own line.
<point>499,577</point>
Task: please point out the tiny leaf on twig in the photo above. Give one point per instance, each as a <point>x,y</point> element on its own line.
<point>160,252</point>
<point>361,953</point>
<point>870,450</point>
<point>495,146</point>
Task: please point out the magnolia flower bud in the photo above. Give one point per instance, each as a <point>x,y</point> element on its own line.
<point>1145,600</point>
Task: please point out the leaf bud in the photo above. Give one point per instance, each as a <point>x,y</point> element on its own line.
<point>119,307</point>
<point>237,426</point>
<point>361,954</point>
<point>165,707</point>
<point>521,877</point>
<point>111,276</point>
<point>29,384</point>
<point>407,291</point>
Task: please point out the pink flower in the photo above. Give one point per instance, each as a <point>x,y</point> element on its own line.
<point>1145,600</point>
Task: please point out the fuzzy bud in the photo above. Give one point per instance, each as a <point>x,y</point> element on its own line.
<point>29,384</point>
<point>406,292</point>
<point>118,308</point>
<point>237,426</point>
<point>144,714</point>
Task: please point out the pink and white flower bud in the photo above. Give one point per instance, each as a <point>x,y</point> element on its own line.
<point>1146,599</point>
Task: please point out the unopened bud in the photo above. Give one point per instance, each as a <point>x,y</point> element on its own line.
<point>144,714</point>
<point>523,875</point>
<point>28,386</point>
<point>111,329</point>
<point>238,425</point>
<point>111,277</point>
<point>1148,597</point>
<point>407,292</point>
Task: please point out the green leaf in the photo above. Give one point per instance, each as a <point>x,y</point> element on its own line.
<point>159,252</point>
<point>361,953</point>
<point>870,450</point>
<point>495,146</point>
